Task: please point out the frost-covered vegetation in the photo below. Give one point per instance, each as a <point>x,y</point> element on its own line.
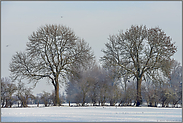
<point>99,87</point>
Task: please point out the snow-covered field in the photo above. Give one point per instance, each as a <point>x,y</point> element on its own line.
<point>91,114</point>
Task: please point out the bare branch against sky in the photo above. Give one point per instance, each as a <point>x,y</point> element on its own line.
<point>93,21</point>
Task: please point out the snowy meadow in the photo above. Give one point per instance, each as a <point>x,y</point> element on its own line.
<point>91,114</point>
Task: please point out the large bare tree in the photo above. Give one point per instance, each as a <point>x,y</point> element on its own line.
<point>140,52</point>
<point>52,52</point>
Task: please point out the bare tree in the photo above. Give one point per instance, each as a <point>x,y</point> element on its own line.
<point>53,51</point>
<point>83,83</point>
<point>24,94</point>
<point>96,77</point>
<point>176,75</point>
<point>140,52</point>
<point>128,96</point>
<point>176,82</point>
<point>171,92</point>
<point>3,92</point>
<point>7,91</point>
<point>71,91</point>
<point>151,92</point>
<point>45,97</point>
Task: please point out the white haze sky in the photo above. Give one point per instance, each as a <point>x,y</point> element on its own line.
<point>92,20</point>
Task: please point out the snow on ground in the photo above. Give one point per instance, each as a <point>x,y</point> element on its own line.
<point>91,114</point>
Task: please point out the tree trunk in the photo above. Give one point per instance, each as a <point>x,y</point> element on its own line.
<point>38,104</point>
<point>2,104</point>
<point>11,104</point>
<point>163,104</point>
<point>139,97</point>
<point>112,102</point>
<point>57,101</point>
<point>6,103</point>
<point>83,102</point>
<point>22,104</point>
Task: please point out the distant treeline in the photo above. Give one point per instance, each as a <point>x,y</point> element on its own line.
<point>99,86</point>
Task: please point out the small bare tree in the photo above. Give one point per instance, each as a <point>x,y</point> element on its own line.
<point>176,82</point>
<point>24,94</point>
<point>3,92</point>
<point>45,97</point>
<point>7,91</point>
<point>151,92</point>
<point>140,52</point>
<point>83,83</point>
<point>53,51</point>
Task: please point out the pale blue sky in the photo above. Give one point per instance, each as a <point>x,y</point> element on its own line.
<point>94,21</point>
